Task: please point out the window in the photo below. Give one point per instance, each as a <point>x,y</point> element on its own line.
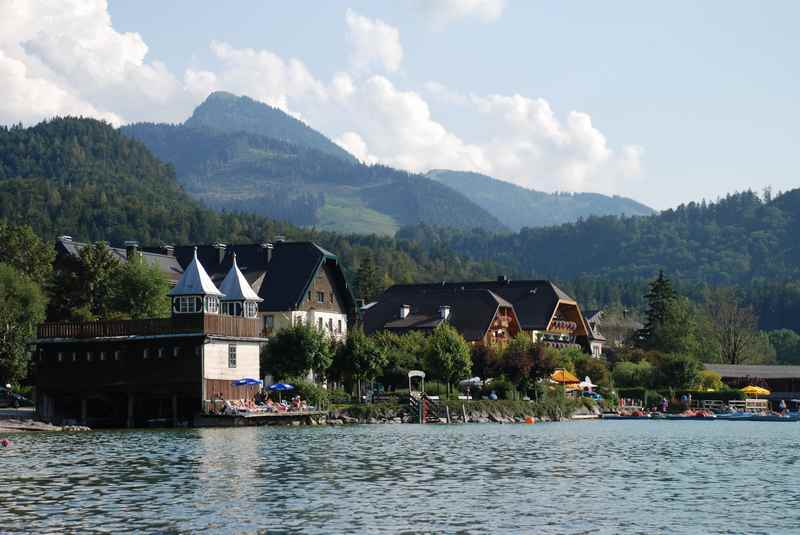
<point>212,304</point>
<point>320,324</point>
<point>146,353</point>
<point>309,295</point>
<point>60,356</point>
<point>102,355</point>
<point>330,324</point>
<point>332,300</point>
<point>74,357</point>
<point>187,304</point>
<point>339,328</point>
<point>116,355</point>
<point>298,320</point>
<point>176,351</point>
<point>269,322</point>
<point>320,297</point>
<point>160,352</point>
<point>232,356</point>
<point>88,356</point>
<point>198,351</point>
<point>250,309</point>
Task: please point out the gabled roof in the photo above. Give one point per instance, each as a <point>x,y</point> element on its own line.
<point>471,311</point>
<point>195,281</point>
<point>534,301</point>
<point>166,263</point>
<point>235,286</point>
<point>280,276</point>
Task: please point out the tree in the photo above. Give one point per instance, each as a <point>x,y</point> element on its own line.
<point>595,369</point>
<point>658,297</point>
<point>23,305</point>
<point>22,249</point>
<point>362,357</point>
<point>403,352</point>
<point>141,291</point>
<point>676,331</point>
<point>678,371</point>
<point>787,346</point>
<point>368,281</point>
<point>733,327</point>
<point>448,356</point>
<point>295,351</point>
<point>634,374</point>
<point>86,289</point>
<point>518,359</point>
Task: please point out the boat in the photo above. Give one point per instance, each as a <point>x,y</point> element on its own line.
<point>755,417</point>
<point>692,415</point>
<point>615,416</point>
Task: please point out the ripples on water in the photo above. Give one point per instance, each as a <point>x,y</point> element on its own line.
<point>576,477</point>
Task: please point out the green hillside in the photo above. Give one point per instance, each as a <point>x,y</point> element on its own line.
<point>226,112</point>
<point>517,207</point>
<point>248,172</point>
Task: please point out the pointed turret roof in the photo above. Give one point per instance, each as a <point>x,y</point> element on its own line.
<point>235,286</point>
<point>195,281</point>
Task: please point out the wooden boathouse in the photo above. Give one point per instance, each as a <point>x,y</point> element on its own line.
<point>152,371</point>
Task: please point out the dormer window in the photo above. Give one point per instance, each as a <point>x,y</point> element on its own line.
<point>212,304</point>
<point>250,309</point>
<point>187,304</point>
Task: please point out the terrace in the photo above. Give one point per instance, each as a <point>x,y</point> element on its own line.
<point>218,325</point>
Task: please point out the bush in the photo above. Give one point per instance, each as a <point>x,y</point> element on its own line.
<point>339,396</point>
<point>315,395</point>
<point>501,386</point>
<point>634,374</point>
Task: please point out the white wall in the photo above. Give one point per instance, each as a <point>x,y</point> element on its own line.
<point>215,360</point>
<point>314,316</point>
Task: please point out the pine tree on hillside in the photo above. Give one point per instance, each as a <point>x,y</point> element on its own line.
<point>368,281</point>
<point>658,297</point>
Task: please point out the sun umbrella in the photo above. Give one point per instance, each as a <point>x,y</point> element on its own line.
<point>281,386</point>
<point>587,383</point>
<point>247,381</point>
<point>564,377</point>
<point>755,391</point>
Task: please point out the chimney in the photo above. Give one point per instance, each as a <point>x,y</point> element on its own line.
<point>220,247</point>
<point>405,310</point>
<point>268,248</point>
<point>503,279</point>
<point>131,248</point>
<point>444,311</point>
<point>168,250</point>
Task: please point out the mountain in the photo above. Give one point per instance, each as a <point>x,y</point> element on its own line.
<point>517,207</point>
<point>226,112</point>
<point>82,177</point>
<point>247,171</point>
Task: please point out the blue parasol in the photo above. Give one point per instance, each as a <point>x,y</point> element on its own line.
<point>281,386</point>
<point>247,381</point>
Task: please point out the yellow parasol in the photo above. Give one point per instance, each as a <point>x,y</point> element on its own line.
<point>564,377</point>
<point>755,391</point>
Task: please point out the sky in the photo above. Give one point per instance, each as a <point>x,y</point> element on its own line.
<point>663,102</point>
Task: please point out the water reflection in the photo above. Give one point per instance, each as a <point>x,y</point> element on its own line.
<point>583,477</point>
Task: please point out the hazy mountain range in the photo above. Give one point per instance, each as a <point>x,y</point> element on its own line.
<point>237,154</point>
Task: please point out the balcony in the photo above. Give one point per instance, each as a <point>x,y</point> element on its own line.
<point>219,325</point>
<point>563,326</point>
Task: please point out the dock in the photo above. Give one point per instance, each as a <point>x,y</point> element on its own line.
<point>256,419</point>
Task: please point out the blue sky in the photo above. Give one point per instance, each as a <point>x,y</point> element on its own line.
<point>676,101</point>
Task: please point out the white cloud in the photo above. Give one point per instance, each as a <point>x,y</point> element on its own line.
<point>443,12</point>
<point>59,58</point>
<point>372,41</point>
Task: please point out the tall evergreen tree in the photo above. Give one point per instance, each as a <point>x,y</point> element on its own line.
<point>368,280</point>
<point>659,297</point>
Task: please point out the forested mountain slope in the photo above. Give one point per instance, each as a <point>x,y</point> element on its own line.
<point>226,112</point>
<point>518,207</point>
<point>245,171</point>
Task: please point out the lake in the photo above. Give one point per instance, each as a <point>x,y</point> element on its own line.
<point>574,477</point>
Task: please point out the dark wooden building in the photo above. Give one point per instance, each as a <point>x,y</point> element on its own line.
<point>131,372</point>
<point>782,381</point>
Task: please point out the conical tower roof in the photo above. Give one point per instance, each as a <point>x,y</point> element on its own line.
<point>195,281</point>
<point>235,286</point>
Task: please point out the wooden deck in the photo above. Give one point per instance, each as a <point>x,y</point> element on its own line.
<point>220,325</point>
<point>265,418</point>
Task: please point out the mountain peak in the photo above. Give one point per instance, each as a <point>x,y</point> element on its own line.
<point>225,112</point>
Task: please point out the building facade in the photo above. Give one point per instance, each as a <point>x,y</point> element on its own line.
<point>152,371</point>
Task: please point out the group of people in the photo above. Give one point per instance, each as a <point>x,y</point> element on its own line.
<point>259,403</point>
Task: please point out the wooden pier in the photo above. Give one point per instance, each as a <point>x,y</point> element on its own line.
<point>264,418</point>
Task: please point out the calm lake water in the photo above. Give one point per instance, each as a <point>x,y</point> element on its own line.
<point>575,477</point>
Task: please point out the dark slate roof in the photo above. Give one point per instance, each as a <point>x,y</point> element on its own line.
<point>471,311</point>
<point>167,264</point>
<point>761,371</point>
<point>534,300</point>
<point>281,282</point>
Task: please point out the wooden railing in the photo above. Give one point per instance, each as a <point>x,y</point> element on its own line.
<point>212,324</point>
